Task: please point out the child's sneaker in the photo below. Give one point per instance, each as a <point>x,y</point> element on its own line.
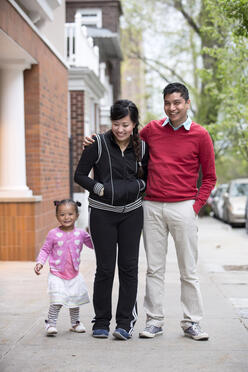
<point>50,330</point>
<point>79,328</point>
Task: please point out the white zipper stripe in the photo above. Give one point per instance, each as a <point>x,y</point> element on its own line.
<point>138,189</point>
<point>99,142</point>
<point>143,149</point>
<point>89,227</point>
<point>135,317</point>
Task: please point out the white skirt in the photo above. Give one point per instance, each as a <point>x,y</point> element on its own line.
<point>70,293</point>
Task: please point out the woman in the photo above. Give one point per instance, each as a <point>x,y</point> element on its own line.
<point>119,160</point>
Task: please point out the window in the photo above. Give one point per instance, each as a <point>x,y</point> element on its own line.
<point>239,189</point>
<point>91,17</point>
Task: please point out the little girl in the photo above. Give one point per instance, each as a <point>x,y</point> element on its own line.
<point>66,285</point>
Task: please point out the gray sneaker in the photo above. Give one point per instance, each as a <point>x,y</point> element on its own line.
<point>151,331</point>
<point>195,332</point>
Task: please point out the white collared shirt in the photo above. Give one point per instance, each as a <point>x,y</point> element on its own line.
<point>186,124</point>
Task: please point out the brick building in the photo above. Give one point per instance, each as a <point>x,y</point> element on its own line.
<point>41,123</point>
<point>34,145</point>
<point>92,30</point>
<point>102,17</point>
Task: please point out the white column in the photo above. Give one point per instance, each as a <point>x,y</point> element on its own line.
<point>12,133</point>
<point>87,114</point>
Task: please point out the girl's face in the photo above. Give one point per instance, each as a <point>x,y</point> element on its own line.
<point>122,129</point>
<point>67,216</point>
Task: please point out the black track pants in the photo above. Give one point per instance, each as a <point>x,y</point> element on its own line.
<point>109,229</point>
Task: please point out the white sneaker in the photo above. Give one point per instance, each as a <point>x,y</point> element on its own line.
<point>51,330</point>
<point>79,328</point>
<point>151,332</point>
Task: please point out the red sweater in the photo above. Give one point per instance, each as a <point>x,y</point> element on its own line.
<point>174,162</point>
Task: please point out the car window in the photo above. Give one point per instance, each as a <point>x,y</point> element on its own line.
<point>223,190</point>
<point>239,189</point>
<point>218,192</point>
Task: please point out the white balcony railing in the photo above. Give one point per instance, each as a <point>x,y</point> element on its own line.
<point>107,100</point>
<point>80,50</point>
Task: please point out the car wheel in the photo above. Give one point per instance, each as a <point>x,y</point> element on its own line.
<point>228,219</point>
<point>225,216</point>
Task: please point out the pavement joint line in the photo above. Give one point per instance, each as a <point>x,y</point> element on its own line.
<point>19,339</point>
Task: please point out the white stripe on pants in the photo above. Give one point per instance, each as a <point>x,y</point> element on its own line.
<point>180,220</point>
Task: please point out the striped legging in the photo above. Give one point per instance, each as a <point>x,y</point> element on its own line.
<point>54,312</point>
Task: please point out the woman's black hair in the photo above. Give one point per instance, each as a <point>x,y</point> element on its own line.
<point>75,204</point>
<point>119,110</point>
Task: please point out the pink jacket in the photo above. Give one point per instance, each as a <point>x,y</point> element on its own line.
<point>57,243</point>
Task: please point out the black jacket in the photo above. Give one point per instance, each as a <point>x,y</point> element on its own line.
<point>113,170</point>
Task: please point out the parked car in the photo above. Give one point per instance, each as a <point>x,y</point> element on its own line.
<point>235,201</point>
<point>246,216</point>
<point>218,201</point>
<point>211,197</point>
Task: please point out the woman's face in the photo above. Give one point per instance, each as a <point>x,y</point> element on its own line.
<point>122,128</point>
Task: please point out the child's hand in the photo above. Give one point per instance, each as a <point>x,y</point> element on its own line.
<point>38,268</point>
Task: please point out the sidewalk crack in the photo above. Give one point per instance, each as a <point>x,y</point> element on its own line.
<point>19,339</point>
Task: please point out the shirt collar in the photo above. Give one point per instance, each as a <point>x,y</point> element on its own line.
<point>186,124</point>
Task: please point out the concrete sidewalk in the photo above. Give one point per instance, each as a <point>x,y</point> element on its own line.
<point>24,346</point>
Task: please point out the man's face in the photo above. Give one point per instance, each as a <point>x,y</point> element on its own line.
<point>176,108</point>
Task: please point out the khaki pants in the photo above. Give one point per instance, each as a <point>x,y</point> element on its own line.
<point>180,220</point>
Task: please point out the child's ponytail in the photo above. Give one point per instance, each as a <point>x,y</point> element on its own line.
<point>58,203</point>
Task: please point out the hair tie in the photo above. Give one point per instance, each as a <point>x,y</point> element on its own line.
<point>78,203</point>
<point>56,202</point>
<point>139,163</point>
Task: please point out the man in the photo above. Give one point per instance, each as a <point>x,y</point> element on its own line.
<point>177,148</point>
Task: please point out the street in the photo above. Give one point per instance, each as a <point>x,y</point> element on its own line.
<point>223,268</point>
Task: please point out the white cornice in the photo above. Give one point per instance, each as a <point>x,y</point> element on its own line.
<point>13,56</point>
<point>35,29</point>
<point>82,78</point>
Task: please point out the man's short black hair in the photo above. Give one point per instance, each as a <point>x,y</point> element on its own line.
<point>176,88</point>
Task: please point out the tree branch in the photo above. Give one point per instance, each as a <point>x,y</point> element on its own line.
<point>153,63</point>
<point>179,6</point>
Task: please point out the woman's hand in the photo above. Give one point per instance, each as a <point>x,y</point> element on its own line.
<point>38,268</point>
<point>88,140</point>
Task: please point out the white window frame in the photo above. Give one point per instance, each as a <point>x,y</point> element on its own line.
<point>91,17</point>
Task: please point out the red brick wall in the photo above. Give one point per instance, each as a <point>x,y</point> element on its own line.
<point>46,125</point>
<point>77,129</point>
<point>17,231</point>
